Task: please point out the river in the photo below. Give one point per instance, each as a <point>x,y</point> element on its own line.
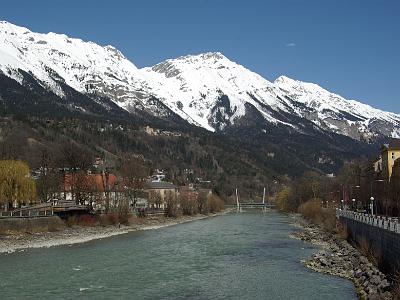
<point>235,256</point>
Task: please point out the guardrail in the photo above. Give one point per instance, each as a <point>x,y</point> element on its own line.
<point>26,214</point>
<point>387,223</point>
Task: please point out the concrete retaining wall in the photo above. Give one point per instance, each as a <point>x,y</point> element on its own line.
<point>40,224</point>
<point>385,244</point>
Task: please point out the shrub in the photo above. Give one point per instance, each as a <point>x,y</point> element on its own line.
<point>285,200</point>
<point>108,219</point>
<point>113,219</point>
<point>214,204</point>
<point>123,213</point>
<point>188,203</point>
<point>313,211</point>
<point>86,220</point>
<point>171,205</point>
<point>71,221</point>
<point>329,219</point>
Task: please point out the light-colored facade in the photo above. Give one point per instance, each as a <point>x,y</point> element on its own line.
<point>157,192</point>
<point>389,153</point>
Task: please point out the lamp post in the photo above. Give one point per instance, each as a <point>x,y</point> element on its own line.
<point>342,204</point>
<point>354,204</point>
<point>372,205</point>
<point>372,198</point>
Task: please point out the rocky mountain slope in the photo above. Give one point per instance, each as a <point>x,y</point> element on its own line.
<point>207,90</point>
<point>208,114</point>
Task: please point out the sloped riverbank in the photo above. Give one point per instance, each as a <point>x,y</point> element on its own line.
<point>81,234</point>
<point>339,258</point>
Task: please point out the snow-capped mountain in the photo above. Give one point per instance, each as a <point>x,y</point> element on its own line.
<point>85,66</point>
<point>212,91</point>
<point>207,90</point>
<point>333,112</point>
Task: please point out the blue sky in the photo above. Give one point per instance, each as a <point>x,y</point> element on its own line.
<point>348,47</point>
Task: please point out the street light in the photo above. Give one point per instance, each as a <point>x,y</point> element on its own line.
<point>372,205</point>
<point>354,204</point>
<point>342,203</point>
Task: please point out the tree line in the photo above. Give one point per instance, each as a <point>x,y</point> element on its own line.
<point>352,187</point>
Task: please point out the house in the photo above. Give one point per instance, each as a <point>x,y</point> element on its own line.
<point>157,192</point>
<point>91,189</point>
<point>150,131</point>
<point>158,175</point>
<point>373,169</point>
<point>389,153</point>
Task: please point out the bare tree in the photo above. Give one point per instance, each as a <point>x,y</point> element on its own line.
<point>171,205</point>
<point>49,180</point>
<point>105,176</point>
<point>134,174</point>
<point>74,159</point>
<point>188,202</point>
<point>202,202</point>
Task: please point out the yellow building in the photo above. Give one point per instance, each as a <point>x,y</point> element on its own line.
<point>389,153</point>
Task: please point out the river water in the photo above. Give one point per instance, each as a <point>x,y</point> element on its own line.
<point>236,256</point>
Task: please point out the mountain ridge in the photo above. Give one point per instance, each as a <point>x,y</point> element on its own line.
<point>207,90</point>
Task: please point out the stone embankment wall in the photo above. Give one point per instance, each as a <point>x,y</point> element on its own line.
<point>379,234</point>
<point>39,224</point>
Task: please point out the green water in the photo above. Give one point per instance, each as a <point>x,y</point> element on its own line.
<point>236,256</point>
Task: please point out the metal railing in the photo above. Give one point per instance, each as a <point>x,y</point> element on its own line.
<point>26,213</point>
<point>387,223</point>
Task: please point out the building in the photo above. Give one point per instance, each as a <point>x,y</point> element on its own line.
<point>157,192</point>
<point>90,189</point>
<point>158,175</point>
<point>150,131</point>
<point>373,170</point>
<point>377,165</point>
<point>389,153</point>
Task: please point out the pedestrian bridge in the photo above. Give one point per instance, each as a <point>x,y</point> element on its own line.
<point>252,205</point>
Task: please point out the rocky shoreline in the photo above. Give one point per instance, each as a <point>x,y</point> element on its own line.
<point>339,258</point>
<point>82,234</point>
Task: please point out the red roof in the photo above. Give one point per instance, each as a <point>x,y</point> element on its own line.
<point>90,182</point>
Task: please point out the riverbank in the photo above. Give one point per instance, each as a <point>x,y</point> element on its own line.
<point>337,257</point>
<point>81,234</point>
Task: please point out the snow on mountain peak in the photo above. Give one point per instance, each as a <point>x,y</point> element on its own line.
<point>81,65</point>
<point>203,56</point>
<point>283,78</point>
<point>195,84</point>
<point>348,117</point>
<point>206,89</point>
